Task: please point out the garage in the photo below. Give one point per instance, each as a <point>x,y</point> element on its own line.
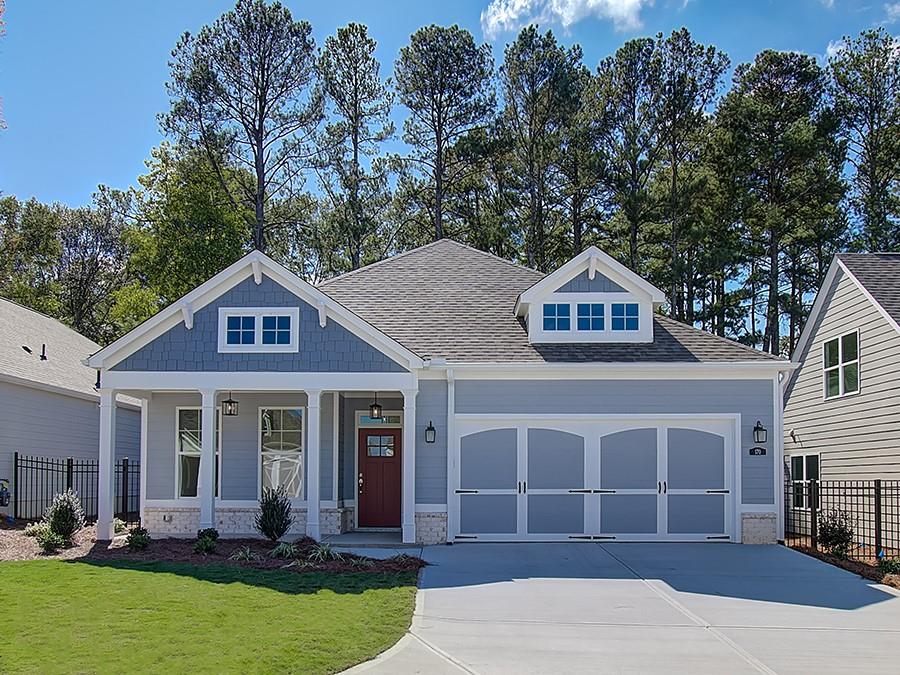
<point>594,478</point>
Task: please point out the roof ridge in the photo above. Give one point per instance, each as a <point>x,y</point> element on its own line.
<point>378,263</point>
<point>719,338</point>
<point>495,257</point>
<point>47,316</point>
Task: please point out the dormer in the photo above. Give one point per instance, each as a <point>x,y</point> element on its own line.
<point>592,298</point>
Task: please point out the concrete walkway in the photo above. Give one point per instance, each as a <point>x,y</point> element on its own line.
<point>642,608</point>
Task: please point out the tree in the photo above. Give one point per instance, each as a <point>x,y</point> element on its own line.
<point>361,106</point>
<point>242,91</point>
<point>540,91</point>
<point>444,80</point>
<point>865,77</point>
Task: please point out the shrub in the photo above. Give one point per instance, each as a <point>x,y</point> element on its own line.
<point>245,554</point>
<point>274,518</point>
<point>208,533</point>
<point>889,565</point>
<point>836,532</point>
<point>118,525</point>
<point>284,550</point>
<point>65,515</point>
<point>138,539</point>
<point>324,553</point>
<point>50,541</point>
<point>205,545</point>
<point>36,529</point>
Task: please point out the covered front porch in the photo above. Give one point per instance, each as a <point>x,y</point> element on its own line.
<point>213,442</point>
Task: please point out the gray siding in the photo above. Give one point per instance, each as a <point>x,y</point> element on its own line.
<point>857,436</point>
<point>329,349</point>
<point>48,424</point>
<point>431,458</point>
<point>751,398</point>
<point>584,284</point>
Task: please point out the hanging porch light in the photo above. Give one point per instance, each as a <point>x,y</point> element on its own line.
<point>229,407</point>
<point>375,409</point>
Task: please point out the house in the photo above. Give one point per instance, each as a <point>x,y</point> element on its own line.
<point>48,403</point>
<point>841,412</point>
<point>451,395</point>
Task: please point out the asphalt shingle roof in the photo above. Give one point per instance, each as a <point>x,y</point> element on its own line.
<point>879,273</point>
<point>448,300</point>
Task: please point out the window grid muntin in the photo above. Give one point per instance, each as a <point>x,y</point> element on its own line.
<point>272,430</point>
<point>836,365</point>
<point>590,316</point>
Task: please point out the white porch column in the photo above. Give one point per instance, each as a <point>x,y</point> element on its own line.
<point>313,453</point>
<point>106,496</point>
<point>408,471</point>
<point>206,480</point>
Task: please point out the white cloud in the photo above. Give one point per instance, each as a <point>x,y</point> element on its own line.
<point>828,3</point>
<point>508,15</point>
<point>893,12</point>
<point>834,48</point>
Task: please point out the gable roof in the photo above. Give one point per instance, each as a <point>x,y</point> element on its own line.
<point>448,300</point>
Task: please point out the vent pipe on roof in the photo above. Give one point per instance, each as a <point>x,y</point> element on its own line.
<point>44,352</point>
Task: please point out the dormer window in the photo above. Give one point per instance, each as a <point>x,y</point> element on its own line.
<point>591,316</point>
<point>259,329</point>
<point>625,316</point>
<point>557,316</point>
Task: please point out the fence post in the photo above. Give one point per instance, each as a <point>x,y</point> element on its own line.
<point>16,485</point>
<point>877,517</point>
<point>125,488</point>
<point>70,471</point>
<point>814,513</point>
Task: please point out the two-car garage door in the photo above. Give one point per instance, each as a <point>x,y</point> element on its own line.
<point>596,479</point>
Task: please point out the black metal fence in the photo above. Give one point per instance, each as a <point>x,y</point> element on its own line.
<point>871,506</point>
<point>36,480</point>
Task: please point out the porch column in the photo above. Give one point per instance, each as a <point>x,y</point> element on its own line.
<point>206,480</point>
<point>313,453</point>
<point>408,471</point>
<point>106,495</point>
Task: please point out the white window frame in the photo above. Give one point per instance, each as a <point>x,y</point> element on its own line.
<point>841,364</point>
<point>590,317</point>
<point>178,453</point>
<point>258,346</point>
<point>537,334</point>
<point>259,451</point>
<point>625,317</point>
<point>804,480</point>
<point>557,304</point>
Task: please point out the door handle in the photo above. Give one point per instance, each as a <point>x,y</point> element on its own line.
<point>659,487</point>
<point>665,487</point>
<point>360,484</point>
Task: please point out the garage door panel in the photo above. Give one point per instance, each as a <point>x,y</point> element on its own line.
<point>488,460</point>
<point>628,514</point>
<point>696,514</point>
<point>488,514</point>
<point>696,460</point>
<point>628,460</point>
<point>555,460</point>
<point>556,514</point>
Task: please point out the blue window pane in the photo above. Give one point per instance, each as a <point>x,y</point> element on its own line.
<point>597,323</point>
<point>563,324</point>
<point>234,323</point>
<point>590,316</point>
<point>597,310</point>
<point>631,310</point>
<point>583,323</point>
<point>248,322</point>
<point>284,337</point>
<point>562,310</point>
<point>625,316</point>
<point>549,323</point>
<point>248,337</point>
<point>268,323</point>
<point>618,323</point>
<point>631,323</point>
<point>268,337</point>
<point>233,337</point>
<point>284,323</point>
<point>584,309</point>
<point>549,310</point>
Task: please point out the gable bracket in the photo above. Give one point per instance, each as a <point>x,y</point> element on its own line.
<point>592,267</point>
<point>257,272</point>
<point>187,312</point>
<point>323,319</point>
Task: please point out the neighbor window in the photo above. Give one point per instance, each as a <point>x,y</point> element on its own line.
<point>258,329</point>
<point>590,316</point>
<point>804,468</point>
<point>557,316</point>
<point>841,365</point>
<point>281,449</point>
<point>624,315</point>
<point>188,442</point>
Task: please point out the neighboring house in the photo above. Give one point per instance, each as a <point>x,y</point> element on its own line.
<point>842,404</point>
<point>454,396</point>
<point>48,403</point>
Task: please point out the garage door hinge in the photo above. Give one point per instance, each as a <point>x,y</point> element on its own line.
<point>578,536</point>
<point>465,536</point>
<point>588,491</point>
<point>717,492</point>
<point>599,536</point>
<point>722,536</point>
<point>467,492</point>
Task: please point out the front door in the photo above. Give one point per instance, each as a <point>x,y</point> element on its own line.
<point>379,482</point>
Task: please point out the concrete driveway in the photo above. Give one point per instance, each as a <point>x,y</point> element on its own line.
<point>643,608</point>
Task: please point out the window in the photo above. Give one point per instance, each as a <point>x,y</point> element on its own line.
<point>624,316</point>
<point>557,316</point>
<point>188,439</point>
<point>259,329</point>
<point>281,449</point>
<point>389,419</point>
<point>590,316</point>
<point>380,446</point>
<point>841,365</point>
<point>804,468</point>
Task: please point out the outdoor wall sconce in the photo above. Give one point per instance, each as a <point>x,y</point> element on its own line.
<point>375,410</point>
<point>229,406</point>
<point>430,433</point>
<point>760,434</point>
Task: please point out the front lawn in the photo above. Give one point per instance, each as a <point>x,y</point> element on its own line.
<point>126,616</point>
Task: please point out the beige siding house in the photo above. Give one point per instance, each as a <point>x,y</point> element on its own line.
<point>842,405</point>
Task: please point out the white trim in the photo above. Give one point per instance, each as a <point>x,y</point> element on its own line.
<point>230,277</point>
<point>303,437</point>
<point>431,508</point>
<point>257,381</point>
<point>612,371</point>
<point>452,451</point>
<point>257,272</point>
<point>408,467</point>
<point>357,414</point>
<point>145,426</point>
<point>643,334</point>
<point>187,314</point>
<point>199,409</point>
<point>759,508</point>
<point>335,443</point>
<point>63,391</point>
<point>840,366</point>
<point>258,313</point>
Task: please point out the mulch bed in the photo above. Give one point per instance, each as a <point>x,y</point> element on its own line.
<point>14,545</point>
<point>864,570</point>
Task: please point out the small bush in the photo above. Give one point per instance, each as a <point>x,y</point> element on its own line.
<point>138,539</point>
<point>889,565</point>
<point>836,532</point>
<point>244,554</point>
<point>284,550</point>
<point>118,525</point>
<point>274,518</point>
<point>208,533</point>
<point>324,553</point>
<point>50,541</point>
<point>205,545</point>
<point>65,515</point>
<point>36,529</point>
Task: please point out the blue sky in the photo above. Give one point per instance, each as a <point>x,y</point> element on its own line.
<point>82,82</point>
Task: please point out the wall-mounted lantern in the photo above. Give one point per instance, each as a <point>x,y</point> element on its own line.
<point>760,434</point>
<point>430,433</point>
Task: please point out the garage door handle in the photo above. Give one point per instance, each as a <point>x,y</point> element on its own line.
<point>580,492</point>
<point>718,492</point>
<point>659,487</point>
<point>467,492</point>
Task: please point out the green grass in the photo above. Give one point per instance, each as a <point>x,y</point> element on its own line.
<point>91,617</point>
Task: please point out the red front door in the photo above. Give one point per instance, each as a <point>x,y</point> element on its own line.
<point>378,483</point>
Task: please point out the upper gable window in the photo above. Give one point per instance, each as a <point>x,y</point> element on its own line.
<point>557,316</point>
<point>259,329</point>
<point>625,316</point>
<point>841,365</point>
<point>591,316</point>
